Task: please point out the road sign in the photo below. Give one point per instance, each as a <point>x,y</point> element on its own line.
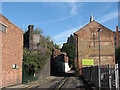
<point>87,62</point>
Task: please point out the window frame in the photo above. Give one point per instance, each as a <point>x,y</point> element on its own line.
<point>4,26</point>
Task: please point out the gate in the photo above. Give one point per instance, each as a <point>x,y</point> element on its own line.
<point>28,76</point>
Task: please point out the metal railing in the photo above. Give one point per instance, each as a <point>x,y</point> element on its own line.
<point>109,75</point>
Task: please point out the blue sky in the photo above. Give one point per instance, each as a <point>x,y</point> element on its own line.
<point>60,19</point>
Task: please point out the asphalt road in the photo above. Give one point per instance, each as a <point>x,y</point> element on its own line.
<point>74,82</point>
<point>67,80</point>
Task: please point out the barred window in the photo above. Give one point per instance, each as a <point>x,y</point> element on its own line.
<point>2,28</point>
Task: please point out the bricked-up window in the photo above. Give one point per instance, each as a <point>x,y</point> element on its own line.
<point>2,28</point>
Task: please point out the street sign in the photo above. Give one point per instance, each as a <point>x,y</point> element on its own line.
<point>87,62</point>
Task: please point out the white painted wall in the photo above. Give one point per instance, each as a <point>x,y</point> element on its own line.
<point>67,68</point>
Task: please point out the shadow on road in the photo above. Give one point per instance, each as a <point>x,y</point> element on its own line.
<point>68,74</point>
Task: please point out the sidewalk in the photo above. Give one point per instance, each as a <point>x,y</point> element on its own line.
<point>31,84</point>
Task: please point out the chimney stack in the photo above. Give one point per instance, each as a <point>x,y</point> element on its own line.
<point>30,27</point>
<point>30,30</point>
<point>117,28</point>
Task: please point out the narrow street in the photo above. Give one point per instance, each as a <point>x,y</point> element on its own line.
<point>67,80</point>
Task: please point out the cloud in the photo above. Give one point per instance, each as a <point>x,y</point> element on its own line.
<point>74,7</point>
<point>61,37</point>
<point>56,20</point>
<point>73,10</point>
<point>108,17</point>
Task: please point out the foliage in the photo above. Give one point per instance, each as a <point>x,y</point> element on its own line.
<point>38,31</point>
<point>25,31</point>
<point>70,50</point>
<point>56,46</point>
<point>48,38</point>
<point>117,55</point>
<point>34,60</point>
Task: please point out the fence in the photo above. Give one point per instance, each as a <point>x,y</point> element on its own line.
<point>108,75</point>
<point>28,76</point>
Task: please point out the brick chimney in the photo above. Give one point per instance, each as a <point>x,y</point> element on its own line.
<point>117,28</point>
<point>30,29</point>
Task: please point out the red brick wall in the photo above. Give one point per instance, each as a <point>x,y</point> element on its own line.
<point>88,48</point>
<point>117,37</point>
<point>12,53</point>
<point>76,49</point>
<point>57,53</point>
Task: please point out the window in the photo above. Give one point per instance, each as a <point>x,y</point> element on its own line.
<point>115,38</point>
<point>115,44</point>
<point>15,66</point>
<point>2,28</point>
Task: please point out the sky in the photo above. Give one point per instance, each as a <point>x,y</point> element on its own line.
<point>60,19</point>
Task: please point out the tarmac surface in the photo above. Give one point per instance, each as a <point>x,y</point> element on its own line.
<point>62,81</point>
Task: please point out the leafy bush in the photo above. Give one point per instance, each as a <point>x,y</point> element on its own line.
<point>70,50</point>
<point>117,55</point>
<point>34,60</point>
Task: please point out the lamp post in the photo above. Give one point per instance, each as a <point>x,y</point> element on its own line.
<point>99,61</point>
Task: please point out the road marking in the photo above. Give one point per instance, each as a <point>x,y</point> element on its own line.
<point>31,86</point>
<point>61,84</point>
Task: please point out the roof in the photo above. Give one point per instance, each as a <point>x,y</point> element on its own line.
<point>91,23</point>
<point>10,22</point>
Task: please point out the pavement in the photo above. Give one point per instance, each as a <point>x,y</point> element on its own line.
<point>31,84</point>
<point>67,80</point>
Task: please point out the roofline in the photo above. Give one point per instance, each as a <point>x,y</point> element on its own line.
<point>89,23</point>
<point>10,22</point>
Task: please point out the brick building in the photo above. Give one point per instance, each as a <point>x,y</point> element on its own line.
<point>70,39</point>
<point>12,52</point>
<point>31,39</point>
<point>87,44</point>
<point>117,37</point>
<point>59,62</point>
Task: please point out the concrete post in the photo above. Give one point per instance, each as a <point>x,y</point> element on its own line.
<point>117,76</point>
<point>109,77</point>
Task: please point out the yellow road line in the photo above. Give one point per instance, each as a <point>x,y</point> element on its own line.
<point>62,83</point>
<point>46,81</point>
<point>37,84</point>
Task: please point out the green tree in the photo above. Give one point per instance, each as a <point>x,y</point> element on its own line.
<point>70,50</point>
<point>38,31</point>
<point>56,46</point>
<point>34,60</point>
<point>117,55</point>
